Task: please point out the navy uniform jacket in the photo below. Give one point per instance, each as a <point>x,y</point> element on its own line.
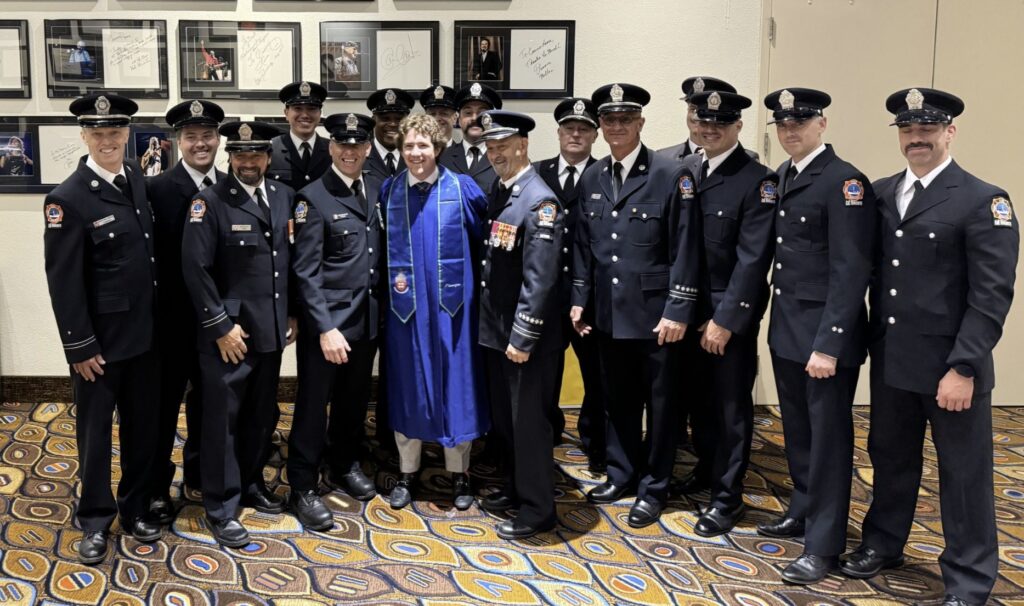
<point>376,168</point>
<point>170,194</point>
<point>454,159</point>
<point>639,256</point>
<point>678,152</point>
<point>944,282</point>
<point>737,203</point>
<point>825,231</point>
<point>236,266</point>
<point>286,162</point>
<point>519,269</point>
<point>100,266</point>
<point>338,257</point>
<point>548,170</point>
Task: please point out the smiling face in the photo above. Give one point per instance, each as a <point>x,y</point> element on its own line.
<point>106,146</point>
<point>445,117</point>
<point>508,156</point>
<point>485,45</point>
<point>302,119</point>
<point>198,146</point>
<point>926,146</point>
<point>349,157</point>
<point>419,154</point>
<point>467,117</point>
<point>386,130</point>
<point>800,137</point>
<point>621,131</point>
<point>718,138</point>
<point>250,167</point>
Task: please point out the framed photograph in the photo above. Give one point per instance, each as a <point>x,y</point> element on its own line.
<point>359,57</point>
<point>237,60</point>
<point>126,57</point>
<point>519,59</point>
<point>14,67</point>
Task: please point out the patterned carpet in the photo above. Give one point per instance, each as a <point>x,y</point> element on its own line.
<point>431,554</point>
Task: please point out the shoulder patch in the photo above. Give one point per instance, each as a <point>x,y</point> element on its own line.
<point>769,193</point>
<point>546,213</point>
<point>686,187</point>
<point>853,192</point>
<point>54,216</point>
<point>301,210</point>
<point>1002,212</point>
<point>197,211</point>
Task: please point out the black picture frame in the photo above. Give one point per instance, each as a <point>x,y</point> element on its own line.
<point>215,64</point>
<point>387,54</point>
<point>77,58</point>
<point>18,86</point>
<point>525,59</point>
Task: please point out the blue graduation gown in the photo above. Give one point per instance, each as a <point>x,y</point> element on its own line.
<point>434,372</point>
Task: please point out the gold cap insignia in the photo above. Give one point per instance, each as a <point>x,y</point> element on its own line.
<point>786,100</point>
<point>390,97</point>
<point>305,89</point>
<point>476,89</point>
<point>196,109</point>
<point>698,85</point>
<point>351,122</point>
<point>486,121</point>
<point>915,100</point>
<point>616,93</point>
<point>245,132</point>
<point>102,106</point>
<point>714,101</point>
<point>578,108</point>
<point>439,93</point>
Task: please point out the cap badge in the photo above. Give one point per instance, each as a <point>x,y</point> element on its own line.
<point>616,93</point>
<point>714,101</point>
<point>698,85</point>
<point>390,97</point>
<point>578,108</point>
<point>786,100</point>
<point>915,100</point>
<point>476,89</point>
<point>245,132</point>
<point>486,121</point>
<point>439,93</point>
<point>305,89</point>
<point>102,106</point>
<point>351,122</point>
<point>196,109</point>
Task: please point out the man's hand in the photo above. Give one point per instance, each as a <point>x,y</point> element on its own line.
<point>821,366</point>
<point>515,355</point>
<point>90,368</point>
<point>955,391</point>
<point>293,331</point>
<point>334,346</point>
<point>669,331</point>
<point>576,315</point>
<point>715,338</point>
<point>232,347</point>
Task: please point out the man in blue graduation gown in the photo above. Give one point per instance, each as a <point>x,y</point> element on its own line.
<point>435,385</point>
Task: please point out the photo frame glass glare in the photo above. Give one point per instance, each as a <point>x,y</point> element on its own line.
<point>15,71</point>
<point>360,57</point>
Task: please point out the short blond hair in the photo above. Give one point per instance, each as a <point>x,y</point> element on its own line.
<point>425,125</point>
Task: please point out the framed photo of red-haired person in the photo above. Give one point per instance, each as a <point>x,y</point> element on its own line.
<point>519,59</point>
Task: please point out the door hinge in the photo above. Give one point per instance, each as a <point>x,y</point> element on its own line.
<point>771,29</point>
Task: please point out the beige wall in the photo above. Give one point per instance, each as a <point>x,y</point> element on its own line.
<point>656,44</point>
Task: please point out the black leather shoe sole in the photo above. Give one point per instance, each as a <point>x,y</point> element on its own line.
<point>262,508</point>
<point>793,533</point>
<point>521,532</point>
<point>233,543</point>
<point>497,505</point>
<point>861,574</point>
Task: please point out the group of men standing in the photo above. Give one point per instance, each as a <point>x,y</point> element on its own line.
<point>473,269</point>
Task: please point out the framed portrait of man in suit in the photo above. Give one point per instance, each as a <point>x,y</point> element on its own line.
<point>519,59</point>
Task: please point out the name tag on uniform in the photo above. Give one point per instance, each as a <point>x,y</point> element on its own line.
<point>339,216</point>
<point>503,235</point>
<point>103,221</point>
<point>241,228</point>
<point>595,196</point>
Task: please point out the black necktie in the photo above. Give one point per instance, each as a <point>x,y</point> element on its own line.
<point>305,152</point>
<point>475,152</point>
<point>616,179</point>
<point>918,188</point>
<point>207,182</point>
<point>389,161</point>
<point>570,182</point>
<point>704,168</point>
<point>357,189</point>
<point>121,183</point>
<point>499,200</point>
<point>262,203</point>
<point>791,176</point>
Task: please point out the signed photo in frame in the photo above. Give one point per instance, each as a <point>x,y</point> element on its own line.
<point>237,60</point>
<point>359,57</point>
<point>519,59</point>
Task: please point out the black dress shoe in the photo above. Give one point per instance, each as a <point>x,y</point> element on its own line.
<point>643,513</point>
<point>865,562</point>
<point>310,510</point>
<point>809,569</point>
<point>717,521</point>
<point>161,510</point>
<point>355,484</point>
<point>499,501</point>
<point>142,529</point>
<point>401,494</point>
<point>93,547</point>
<point>952,600</point>
<point>229,532</point>
<point>264,501</point>
<point>691,484</point>
<point>607,493</point>
<point>783,527</point>
<point>514,529</point>
<point>462,495</point>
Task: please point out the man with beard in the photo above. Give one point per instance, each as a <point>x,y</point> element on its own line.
<point>439,102</point>
<point>300,156</point>
<point>486,63</point>
<point>170,194</point>
<point>389,106</point>
<point>338,262</point>
<point>235,258</point>
<point>470,158</point>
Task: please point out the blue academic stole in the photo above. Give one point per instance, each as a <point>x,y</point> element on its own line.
<point>450,244</point>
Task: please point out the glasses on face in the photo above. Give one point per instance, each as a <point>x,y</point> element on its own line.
<point>613,120</point>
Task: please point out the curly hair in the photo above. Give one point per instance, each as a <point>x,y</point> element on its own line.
<point>424,125</point>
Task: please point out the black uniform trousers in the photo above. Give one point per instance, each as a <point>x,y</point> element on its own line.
<point>519,417</point>
<point>963,444</point>
<point>696,421</point>
<point>347,388</point>
<point>731,412</point>
<point>239,406</point>
<point>817,424</point>
<point>638,373</point>
<point>129,386</point>
<point>179,368</point>
<point>593,420</point>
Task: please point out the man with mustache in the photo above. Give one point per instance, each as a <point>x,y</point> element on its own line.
<point>470,158</point>
<point>170,194</point>
<point>235,259</point>
<point>941,291</point>
<point>389,106</point>
<point>300,156</point>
